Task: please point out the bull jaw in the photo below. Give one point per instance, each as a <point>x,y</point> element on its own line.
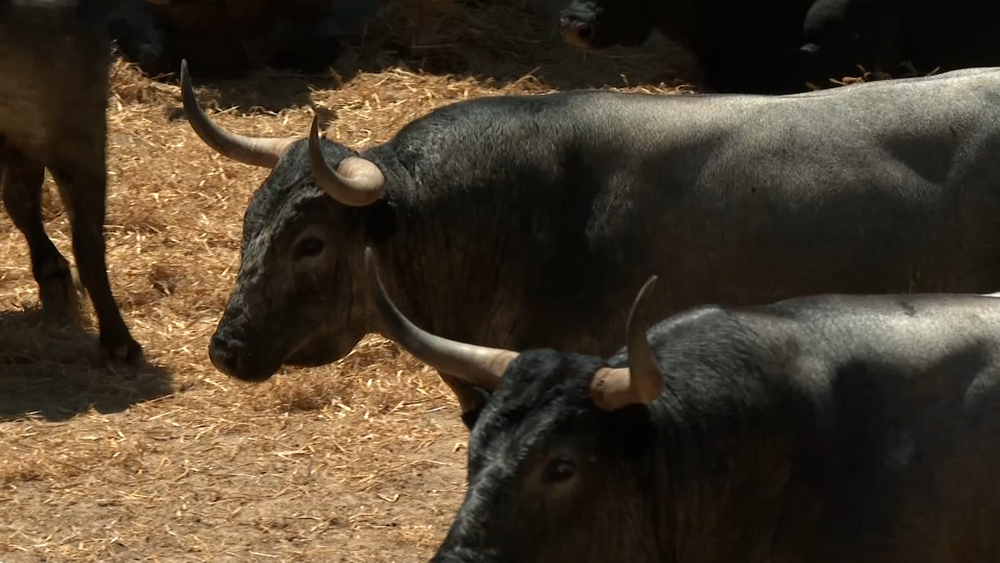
<point>254,373</point>
<point>332,352</point>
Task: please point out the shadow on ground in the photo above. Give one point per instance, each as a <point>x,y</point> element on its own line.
<point>268,91</point>
<point>55,372</point>
<point>504,45</point>
<point>559,66</point>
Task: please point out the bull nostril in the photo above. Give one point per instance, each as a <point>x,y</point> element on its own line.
<point>219,344</point>
<point>585,32</point>
<point>223,351</point>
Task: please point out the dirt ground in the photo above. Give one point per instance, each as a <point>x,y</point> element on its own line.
<point>363,460</point>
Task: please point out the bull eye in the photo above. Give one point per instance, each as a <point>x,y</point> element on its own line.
<point>560,470</point>
<point>308,247</point>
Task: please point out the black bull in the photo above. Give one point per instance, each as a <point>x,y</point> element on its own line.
<point>530,221</point>
<point>779,45</point>
<point>54,60</point>
<point>829,429</point>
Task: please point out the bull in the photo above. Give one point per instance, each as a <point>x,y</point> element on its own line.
<point>827,428</point>
<point>780,47</point>
<point>838,35</point>
<point>54,58</point>
<point>497,219</point>
<point>745,47</point>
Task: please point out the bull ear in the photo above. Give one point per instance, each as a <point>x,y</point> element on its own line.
<point>641,382</point>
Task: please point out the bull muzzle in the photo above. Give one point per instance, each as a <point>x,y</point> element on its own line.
<point>235,358</point>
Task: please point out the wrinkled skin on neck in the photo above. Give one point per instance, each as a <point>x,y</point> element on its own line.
<point>299,297</point>
<point>551,477</point>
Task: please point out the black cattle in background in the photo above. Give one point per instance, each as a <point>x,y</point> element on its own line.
<point>780,46</point>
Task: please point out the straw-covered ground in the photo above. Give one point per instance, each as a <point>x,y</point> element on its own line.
<point>363,460</point>
<point>359,461</point>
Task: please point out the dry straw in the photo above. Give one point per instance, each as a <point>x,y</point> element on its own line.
<point>359,461</point>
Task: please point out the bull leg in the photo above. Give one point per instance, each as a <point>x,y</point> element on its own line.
<point>84,196</point>
<point>22,196</point>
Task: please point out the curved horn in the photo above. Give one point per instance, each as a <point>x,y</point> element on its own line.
<point>473,364</point>
<point>356,182</point>
<point>258,151</point>
<point>642,381</point>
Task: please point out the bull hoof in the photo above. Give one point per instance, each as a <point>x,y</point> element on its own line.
<point>60,301</point>
<point>129,352</point>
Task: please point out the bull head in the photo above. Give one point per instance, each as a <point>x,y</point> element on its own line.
<point>611,388</point>
<point>356,182</point>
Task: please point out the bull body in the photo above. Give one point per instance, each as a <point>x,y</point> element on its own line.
<point>825,429</point>
<point>529,221</point>
<point>54,58</point>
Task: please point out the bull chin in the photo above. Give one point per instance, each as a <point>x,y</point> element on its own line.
<point>249,371</point>
<point>320,351</point>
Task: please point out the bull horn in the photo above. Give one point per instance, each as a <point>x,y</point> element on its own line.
<point>473,364</point>
<point>356,182</point>
<point>257,151</point>
<point>642,381</point>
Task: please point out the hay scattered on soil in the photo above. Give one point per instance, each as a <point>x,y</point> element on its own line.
<point>358,461</point>
<point>362,460</point>
<point>355,460</point>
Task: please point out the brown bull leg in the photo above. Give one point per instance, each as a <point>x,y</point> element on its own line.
<point>84,195</point>
<point>22,197</point>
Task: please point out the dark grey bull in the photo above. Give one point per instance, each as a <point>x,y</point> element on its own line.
<point>531,221</point>
<point>747,47</point>
<point>948,34</point>
<point>54,58</point>
<point>779,46</point>
<point>822,429</point>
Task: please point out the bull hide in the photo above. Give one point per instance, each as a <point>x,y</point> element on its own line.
<point>823,429</point>
<point>530,221</point>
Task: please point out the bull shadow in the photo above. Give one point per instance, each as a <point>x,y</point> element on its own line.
<point>561,67</point>
<point>268,91</point>
<point>55,373</point>
<point>543,55</point>
<point>506,40</point>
